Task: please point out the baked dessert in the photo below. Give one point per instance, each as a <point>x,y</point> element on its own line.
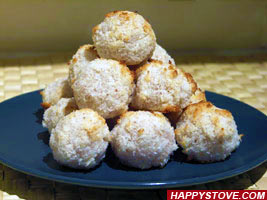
<point>124,36</point>
<point>162,55</point>
<point>80,139</point>
<point>207,133</point>
<point>195,98</point>
<point>143,139</point>
<point>105,86</point>
<point>162,87</point>
<point>55,91</point>
<point>56,112</point>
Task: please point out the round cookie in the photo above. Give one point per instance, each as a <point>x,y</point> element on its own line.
<point>198,96</point>
<point>143,139</point>
<point>195,98</point>
<point>162,55</point>
<point>55,91</point>
<point>162,87</point>
<point>80,139</point>
<point>124,36</point>
<point>207,133</point>
<point>105,86</point>
<point>56,112</point>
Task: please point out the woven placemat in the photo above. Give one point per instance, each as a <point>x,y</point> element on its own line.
<point>243,78</point>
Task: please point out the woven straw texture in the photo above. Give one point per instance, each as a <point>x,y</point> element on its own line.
<point>243,78</point>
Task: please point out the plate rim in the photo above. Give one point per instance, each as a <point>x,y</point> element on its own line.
<point>136,185</point>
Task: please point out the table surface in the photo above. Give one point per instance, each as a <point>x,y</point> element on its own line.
<point>243,78</point>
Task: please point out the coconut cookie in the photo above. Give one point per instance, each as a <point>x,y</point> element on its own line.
<point>207,133</point>
<point>143,139</point>
<point>124,36</point>
<point>80,139</point>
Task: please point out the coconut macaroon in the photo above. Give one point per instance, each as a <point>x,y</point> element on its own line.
<point>198,96</point>
<point>195,98</point>
<point>143,139</point>
<point>162,87</point>
<point>81,58</point>
<point>56,112</point>
<point>124,36</point>
<point>105,86</point>
<point>162,55</point>
<point>55,91</point>
<point>80,139</point>
<point>207,133</point>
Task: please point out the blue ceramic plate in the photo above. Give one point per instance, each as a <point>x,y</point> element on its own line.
<point>24,147</point>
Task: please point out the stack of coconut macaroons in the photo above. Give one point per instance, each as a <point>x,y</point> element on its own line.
<point>125,74</point>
